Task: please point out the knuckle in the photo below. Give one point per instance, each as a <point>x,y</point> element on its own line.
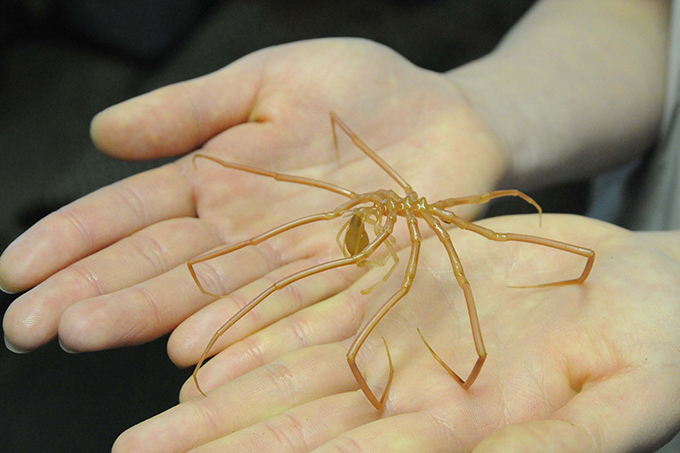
<point>288,432</point>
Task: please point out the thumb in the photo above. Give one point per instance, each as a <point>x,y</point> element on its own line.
<point>178,118</point>
<point>633,410</point>
<point>544,436</point>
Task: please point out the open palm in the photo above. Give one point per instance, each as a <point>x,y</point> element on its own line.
<point>575,368</point>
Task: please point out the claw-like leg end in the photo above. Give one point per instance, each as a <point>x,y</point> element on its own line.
<point>473,374</point>
<point>589,254</point>
<point>379,404</point>
<point>198,387</point>
<point>190,265</point>
<point>383,398</point>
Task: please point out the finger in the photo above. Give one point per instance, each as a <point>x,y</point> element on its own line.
<point>178,118</point>
<point>94,222</point>
<point>131,316</point>
<point>188,341</point>
<point>153,308</point>
<point>296,379</point>
<point>549,436</point>
<point>423,413</point>
<point>301,428</point>
<point>332,320</point>
<point>419,431</point>
<point>630,411</point>
<point>32,319</point>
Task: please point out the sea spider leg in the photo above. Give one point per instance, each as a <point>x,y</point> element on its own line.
<point>280,284</point>
<point>410,274</point>
<point>335,120</point>
<point>279,176</point>
<point>252,241</point>
<point>330,215</point>
<point>449,217</point>
<point>463,224</point>
<point>464,284</point>
<point>485,198</point>
<point>388,274</point>
<point>444,237</point>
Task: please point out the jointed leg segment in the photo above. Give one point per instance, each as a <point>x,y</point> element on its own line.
<point>380,314</point>
<point>587,253</point>
<point>464,284</point>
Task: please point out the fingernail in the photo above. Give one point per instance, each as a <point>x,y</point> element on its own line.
<point>14,348</point>
<point>6,291</point>
<point>65,349</point>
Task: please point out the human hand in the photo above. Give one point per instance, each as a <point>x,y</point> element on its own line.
<point>109,268</point>
<point>591,367</point>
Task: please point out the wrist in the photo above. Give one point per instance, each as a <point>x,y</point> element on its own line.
<point>482,83</point>
<point>574,89</point>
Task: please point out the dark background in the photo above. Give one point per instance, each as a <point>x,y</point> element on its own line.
<point>62,62</point>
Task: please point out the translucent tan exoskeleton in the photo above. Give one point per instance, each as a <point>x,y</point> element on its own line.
<point>381,210</point>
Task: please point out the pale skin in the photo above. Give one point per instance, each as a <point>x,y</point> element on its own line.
<point>592,367</point>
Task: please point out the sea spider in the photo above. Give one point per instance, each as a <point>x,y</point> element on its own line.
<point>381,209</point>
